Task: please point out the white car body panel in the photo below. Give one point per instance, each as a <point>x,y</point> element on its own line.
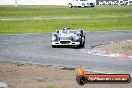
<point>71,43</point>
<point>78,3</point>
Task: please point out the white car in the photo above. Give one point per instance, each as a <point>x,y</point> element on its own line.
<point>68,37</point>
<point>81,3</point>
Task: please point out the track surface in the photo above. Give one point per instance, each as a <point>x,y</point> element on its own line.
<point>36,49</point>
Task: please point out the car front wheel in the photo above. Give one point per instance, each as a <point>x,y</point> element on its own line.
<point>54,46</point>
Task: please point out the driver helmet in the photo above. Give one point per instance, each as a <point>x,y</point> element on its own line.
<point>66,30</point>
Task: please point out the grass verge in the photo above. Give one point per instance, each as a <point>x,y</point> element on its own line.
<point>100,18</point>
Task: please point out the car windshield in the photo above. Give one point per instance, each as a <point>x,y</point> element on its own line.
<point>73,31</point>
<point>67,32</point>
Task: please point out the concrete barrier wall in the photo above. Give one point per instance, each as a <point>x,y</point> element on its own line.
<point>61,2</point>
<point>33,2</point>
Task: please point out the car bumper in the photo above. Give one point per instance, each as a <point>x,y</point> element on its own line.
<point>65,43</point>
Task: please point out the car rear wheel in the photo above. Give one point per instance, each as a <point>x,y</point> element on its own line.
<point>83,5</point>
<point>92,6</point>
<point>70,5</point>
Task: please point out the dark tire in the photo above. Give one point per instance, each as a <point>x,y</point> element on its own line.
<point>79,46</point>
<point>83,45</point>
<point>54,46</point>
<point>83,5</point>
<point>70,5</point>
<point>81,80</point>
<point>92,6</point>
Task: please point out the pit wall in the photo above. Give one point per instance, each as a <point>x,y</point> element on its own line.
<point>61,2</point>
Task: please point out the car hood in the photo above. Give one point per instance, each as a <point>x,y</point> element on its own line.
<point>67,35</point>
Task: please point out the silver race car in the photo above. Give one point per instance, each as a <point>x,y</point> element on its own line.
<point>68,37</point>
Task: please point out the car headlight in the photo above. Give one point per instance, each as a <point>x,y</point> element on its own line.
<point>54,38</point>
<point>76,38</point>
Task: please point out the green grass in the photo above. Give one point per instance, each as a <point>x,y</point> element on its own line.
<point>6,12</point>
<point>100,18</point>
<point>51,86</point>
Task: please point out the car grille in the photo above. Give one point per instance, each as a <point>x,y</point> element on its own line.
<point>64,42</point>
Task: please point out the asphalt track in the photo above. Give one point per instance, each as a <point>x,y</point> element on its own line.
<point>36,49</point>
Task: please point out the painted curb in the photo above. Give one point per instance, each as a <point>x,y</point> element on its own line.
<point>108,54</point>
